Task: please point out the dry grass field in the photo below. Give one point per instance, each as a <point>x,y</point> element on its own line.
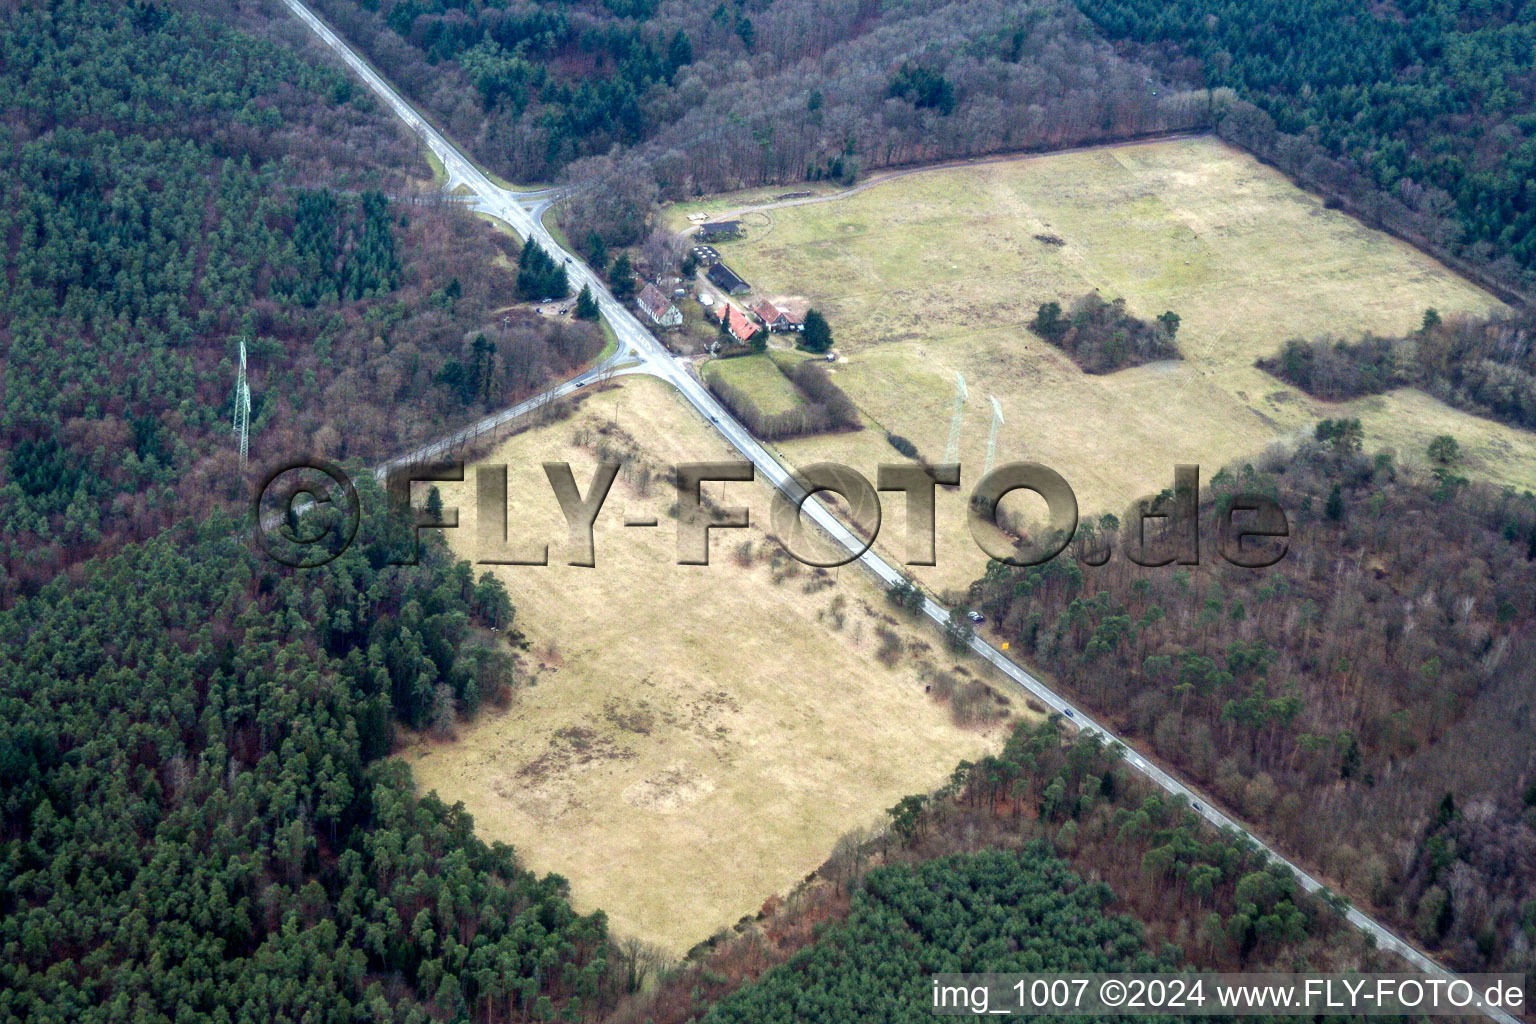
<point>938,272</point>
<point>688,740</point>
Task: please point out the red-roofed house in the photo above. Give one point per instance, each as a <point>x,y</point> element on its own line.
<point>774,318</point>
<point>736,322</point>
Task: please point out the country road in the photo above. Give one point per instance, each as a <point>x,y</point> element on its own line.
<point>640,352</point>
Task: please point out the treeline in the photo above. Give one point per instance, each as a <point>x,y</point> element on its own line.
<point>169,183</point>
<point>1102,337</point>
<point>1198,897</point>
<point>1485,366</point>
<point>1337,697</point>
<point>1418,118</point>
<point>641,102</point>
<point>196,819</point>
<point>825,406</point>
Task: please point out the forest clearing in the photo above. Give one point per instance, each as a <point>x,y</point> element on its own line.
<point>680,781</point>
<point>936,273</point>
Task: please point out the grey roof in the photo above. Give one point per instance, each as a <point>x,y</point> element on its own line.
<point>726,278</point>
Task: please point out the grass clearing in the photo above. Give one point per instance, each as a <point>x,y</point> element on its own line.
<point>439,172</point>
<point>937,273</point>
<point>612,344</point>
<point>690,739</point>
<point>552,225</point>
<point>761,379</point>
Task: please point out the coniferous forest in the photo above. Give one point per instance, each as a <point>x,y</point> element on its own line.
<point>197,821</point>
<point>992,912</point>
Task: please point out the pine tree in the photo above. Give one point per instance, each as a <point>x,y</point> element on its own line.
<point>622,277</point>
<point>586,305</point>
<point>817,336</point>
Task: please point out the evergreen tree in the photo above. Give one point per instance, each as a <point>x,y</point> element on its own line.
<point>817,335</point>
<point>621,279</point>
<point>679,53</point>
<point>597,252</point>
<point>539,277</point>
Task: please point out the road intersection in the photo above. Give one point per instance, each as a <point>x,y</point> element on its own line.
<point>640,352</point>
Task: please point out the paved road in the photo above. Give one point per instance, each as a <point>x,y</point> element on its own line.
<point>640,352</point>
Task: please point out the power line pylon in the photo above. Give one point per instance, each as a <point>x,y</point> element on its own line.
<point>243,410</point>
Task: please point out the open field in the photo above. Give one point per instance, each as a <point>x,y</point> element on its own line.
<point>690,740</point>
<point>936,273</point>
<point>762,381</point>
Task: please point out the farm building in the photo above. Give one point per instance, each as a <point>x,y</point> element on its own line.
<point>736,322</point>
<point>726,279</point>
<point>774,318</point>
<point>658,307</point>
<point>719,229</point>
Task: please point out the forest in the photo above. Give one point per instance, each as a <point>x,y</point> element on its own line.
<point>1418,114</point>
<point>994,911</point>
<point>644,101</point>
<point>197,816</point>
<point>171,184</point>
<point>196,820</point>
<point>1487,367</point>
<point>1103,336</point>
<point>1366,700</point>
